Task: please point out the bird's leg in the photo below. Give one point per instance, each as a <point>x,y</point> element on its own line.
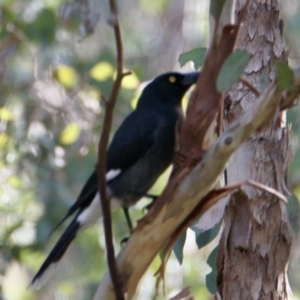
<point>129,223</point>
<point>127,215</point>
<point>128,219</point>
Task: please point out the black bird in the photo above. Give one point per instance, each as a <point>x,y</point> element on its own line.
<point>141,150</point>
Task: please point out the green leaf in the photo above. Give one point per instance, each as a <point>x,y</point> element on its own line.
<point>216,7</point>
<point>196,55</point>
<point>293,211</point>
<point>178,247</point>
<point>285,76</point>
<point>232,69</point>
<point>207,236</point>
<point>211,278</point>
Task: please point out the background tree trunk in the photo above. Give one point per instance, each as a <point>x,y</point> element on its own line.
<point>256,242</point>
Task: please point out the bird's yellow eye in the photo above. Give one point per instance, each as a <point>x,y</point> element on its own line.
<point>172,79</point>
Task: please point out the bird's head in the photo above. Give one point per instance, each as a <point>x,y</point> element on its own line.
<point>167,88</point>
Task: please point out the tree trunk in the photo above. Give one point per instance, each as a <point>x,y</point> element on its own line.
<point>256,243</point>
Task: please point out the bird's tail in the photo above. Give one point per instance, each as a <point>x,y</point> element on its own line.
<point>55,255</point>
<point>85,217</point>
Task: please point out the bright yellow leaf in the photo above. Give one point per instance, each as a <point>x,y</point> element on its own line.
<point>130,82</point>
<point>70,134</point>
<point>5,114</point>
<point>102,71</point>
<point>67,76</point>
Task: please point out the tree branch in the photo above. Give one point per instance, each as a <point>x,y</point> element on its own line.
<point>149,237</point>
<point>102,148</point>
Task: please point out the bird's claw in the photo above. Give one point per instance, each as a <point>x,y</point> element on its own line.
<point>124,240</point>
<point>148,206</point>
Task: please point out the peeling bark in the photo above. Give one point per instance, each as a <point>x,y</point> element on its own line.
<point>257,239</point>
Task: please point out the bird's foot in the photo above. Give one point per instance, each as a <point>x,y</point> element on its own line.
<point>124,241</point>
<point>153,198</point>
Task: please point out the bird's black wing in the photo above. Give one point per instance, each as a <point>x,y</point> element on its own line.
<point>133,139</point>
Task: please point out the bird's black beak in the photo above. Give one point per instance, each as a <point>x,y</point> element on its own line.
<point>190,78</point>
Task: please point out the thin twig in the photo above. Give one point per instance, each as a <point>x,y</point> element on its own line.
<point>101,166</point>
